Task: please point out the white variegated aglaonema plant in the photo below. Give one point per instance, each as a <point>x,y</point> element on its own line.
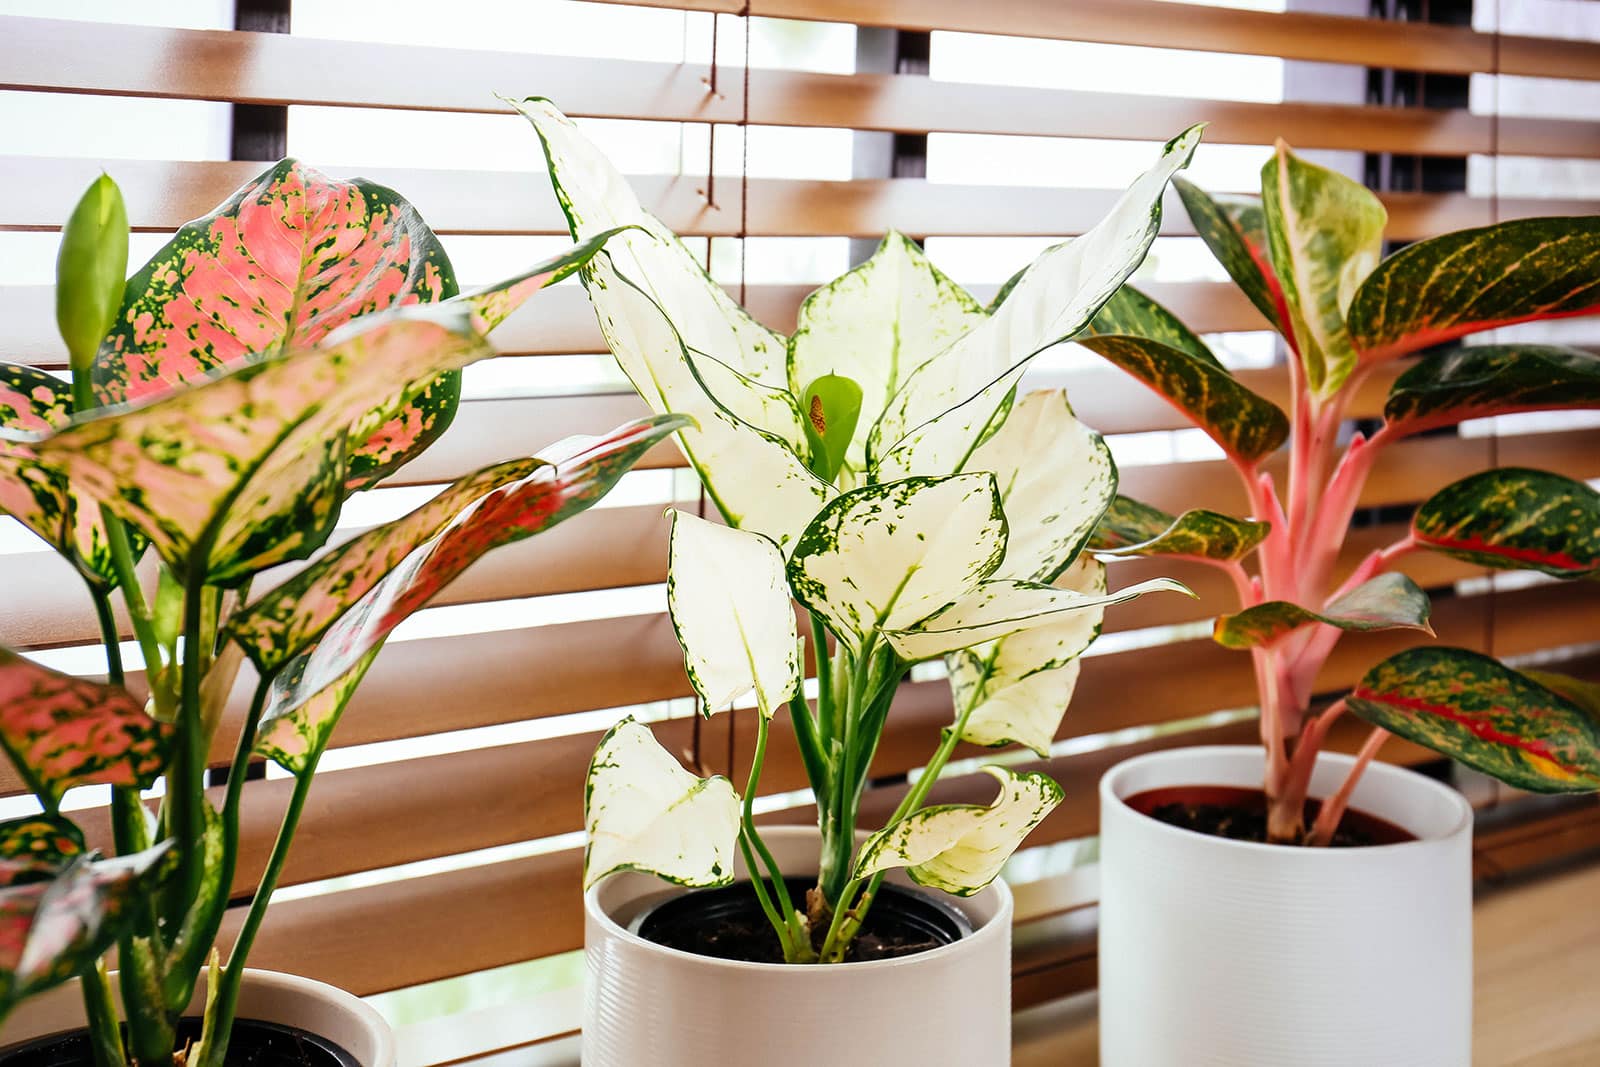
<point>299,344</point>
<point>879,468</point>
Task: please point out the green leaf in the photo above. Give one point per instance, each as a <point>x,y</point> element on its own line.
<point>1132,528</point>
<point>1235,229</point>
<point>62,731</point>
<point>52,930</point>
<point>949,404</point>
<point>730,607</point>
<point>1445,388</point>
<point>1056,477</point>
<point>1387,602</point>
<point>44,839</point>
<point>1446,287</point>
<point>290,257</point>
<point>876,325</point>
<point>645,813</point>
<point>1515,518</point>
<point>1583,693</point>
<point>960,848</point>
<point>1326,235</point>
<point>1018,687</point>
<point>90,269</point>
<point>832,406</point>
<point>305,704</point>
<point>248,469</point>
<point>1480,712</point>
<point>1148,342</point>
<point>883,557</point>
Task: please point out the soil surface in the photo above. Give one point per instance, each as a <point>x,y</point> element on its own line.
<point>728,924</point>
<point>1241,815</point>
<point>254,1044</point>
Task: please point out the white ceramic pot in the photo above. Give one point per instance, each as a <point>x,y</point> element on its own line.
<point>285,999</point>
<point>646,1004</point>
<point>1231,953</point>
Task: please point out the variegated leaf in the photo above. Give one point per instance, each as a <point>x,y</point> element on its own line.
<point>1133,528</point>
<point>304,706</point>
<point>1018,687</point>
<point>1446,287</point>
<point>352,601</point>
<point>62,731</point>
<point>248,469</point>
<point>1325,233</point>
<point>883,557</point>
<point>1476,710</point>
<point>730,607</point>
<point>44,839</point>
<point>949,404</point>
<point>960,848</point>
<point>1235,229</point>
<point>1056,477</point>
<point>1387,602</point>
<point>1515,518</point>
<point>1146,340</point>
<point>1583,693</point>
<point>1474,382</point>
<point>876,325</point>
<point>52,930</point>
<point>645,813</point>
<point>758,481</point>
<point>995,609</point>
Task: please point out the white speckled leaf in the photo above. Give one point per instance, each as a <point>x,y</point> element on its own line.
<point>876,325</point>
<point>1021,684</point>
<point>1056,479</point>
<point>730,605</point>
<point>995,609</point>
<point>757,480</point>
<point>645,813</point>
<point>884,557</point>
<point>960,848</point>
<point>945,408</point>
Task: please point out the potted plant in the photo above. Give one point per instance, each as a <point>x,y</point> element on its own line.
<point>878,468</point>
<point>1252,941</point>
<point>299,344</point>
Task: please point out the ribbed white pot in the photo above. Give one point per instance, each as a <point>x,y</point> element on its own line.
<point>1237,954</point>
<point>649,1005</point>
<point>267,996</point>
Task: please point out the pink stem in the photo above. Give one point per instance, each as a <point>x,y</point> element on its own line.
<point>1333,808</point>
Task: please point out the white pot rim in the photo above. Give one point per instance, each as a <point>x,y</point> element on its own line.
<point>1113,789</point>
<point>998,926</point>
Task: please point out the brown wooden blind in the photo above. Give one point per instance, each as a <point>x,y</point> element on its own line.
<point>473,733</point>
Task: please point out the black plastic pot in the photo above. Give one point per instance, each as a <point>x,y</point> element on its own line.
<point>254,1044</point>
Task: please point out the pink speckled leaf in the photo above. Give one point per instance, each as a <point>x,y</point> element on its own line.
<point>348,614</point>
<point>62,731</point>
<point>57,924</point>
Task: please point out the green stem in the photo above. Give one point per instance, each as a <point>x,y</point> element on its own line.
<point>186,780</point>
<point>796,943</point>
<point>133,597</point>
<point>105,1035</point>
<point>819,651</point>
<point>757,882</point>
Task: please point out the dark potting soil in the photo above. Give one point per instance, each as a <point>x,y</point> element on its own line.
<point>728,924</point>
<point>254,1044</point>
<point>1241,815</point>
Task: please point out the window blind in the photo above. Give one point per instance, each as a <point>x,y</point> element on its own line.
<point>449,815</point>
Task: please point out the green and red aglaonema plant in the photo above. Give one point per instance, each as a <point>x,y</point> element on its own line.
<point>877,467</point>
<point>299,344</point>
<point>1307,253</point>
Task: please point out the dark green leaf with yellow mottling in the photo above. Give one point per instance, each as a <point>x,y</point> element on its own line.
<point>1235,229</point>
<point>1514,518</point>
<point>44,838</point>
<point>1387,602</point>
<point>1583,693</point>
<point>1133,528</point>
<point>1482,380</point>
<point>1479,279</point>
<point>1131,313</point>
<point>1479,711</point>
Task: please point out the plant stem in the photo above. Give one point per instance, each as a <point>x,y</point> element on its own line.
<point>1333,808</point>
<point>796,930</point>
<point>758,883</point>
<point>100,1012</point>
<point>138,610</point>
<point>186,781</point>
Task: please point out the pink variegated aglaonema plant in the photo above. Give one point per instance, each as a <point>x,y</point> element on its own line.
<point>1308,254</point>
<point>300,344</point>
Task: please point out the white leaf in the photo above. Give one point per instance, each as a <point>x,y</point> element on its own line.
<point>1018,687</point>
<point>998,608</point>
<point>730,605</point>
<point>757,481</point>
<point>645,813</point>
<point>885,556</point>
<point>944,409</point>
<point>1056,479</point>
<point>960,848</point>
<point>876,325</point>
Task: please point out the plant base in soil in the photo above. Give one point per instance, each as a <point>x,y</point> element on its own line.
<point>254,1044</point>
<point>1240,814</point>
